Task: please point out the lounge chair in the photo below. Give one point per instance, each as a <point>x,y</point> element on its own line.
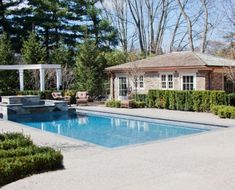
<point>82,97</point>
<point>59,96</point>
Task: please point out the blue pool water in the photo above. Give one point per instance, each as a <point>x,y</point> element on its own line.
<point>107,131</point>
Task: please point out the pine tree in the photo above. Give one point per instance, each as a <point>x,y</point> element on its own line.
<point>8,79</point>
<point>89,68</point>
<point>33,52</point>
<point>6,53</point>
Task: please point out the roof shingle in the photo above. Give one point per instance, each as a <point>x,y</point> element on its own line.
<point>176,59</point>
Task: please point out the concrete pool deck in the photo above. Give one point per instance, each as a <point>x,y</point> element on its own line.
<point>196,162</point>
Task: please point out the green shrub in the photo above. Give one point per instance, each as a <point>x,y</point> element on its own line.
<point>224,111</point>
<point>139,104</point>
<point>231,99</point>
<point>141,98</point>
<point>113,103</point>
<point>43,95</point>
<point>20,158</point>
<point>200,101</point>
<point>72,94</point>
<point>151,98</point>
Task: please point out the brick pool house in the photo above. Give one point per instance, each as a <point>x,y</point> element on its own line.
<point>172,71</point>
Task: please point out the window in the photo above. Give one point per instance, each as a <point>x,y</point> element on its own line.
<point>188,83</point>
<point>122,86</point>
<point>141,81</point>
<point>167,81</point>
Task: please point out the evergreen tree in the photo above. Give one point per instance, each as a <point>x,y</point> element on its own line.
<point>14,22</point>
<point>8,79</point>
<point>89,68</point>
<point>33,52</point>
<point>100,30</point>
<point>6,53</point>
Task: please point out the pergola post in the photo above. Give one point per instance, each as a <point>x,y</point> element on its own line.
<point>21,76</point>
<point>42,79</point>
<point>58,78</point>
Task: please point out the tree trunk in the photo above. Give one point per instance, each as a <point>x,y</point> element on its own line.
<point>189,25</point>
<point>204,35</point>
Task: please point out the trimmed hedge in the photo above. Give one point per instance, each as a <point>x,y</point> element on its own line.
<point>113,103</point>
<point>224,111</point>
<point>20,158</point>
<point>139,104</point>
<point>43,95</point>
<point>231,99</point>
<point>200,101</point>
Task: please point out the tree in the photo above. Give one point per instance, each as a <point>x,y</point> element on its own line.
<point>205,31</point>
<point>33,52</point>
<point>8,79</point>
<point>115,57</point>
<point>13,16</point>
<point>134,72</point>
<point>61,56</point>
<point>90,68</point>
<point>100,30</point>
<point>189,25</point>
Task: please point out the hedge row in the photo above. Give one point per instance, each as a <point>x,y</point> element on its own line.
<point>20,158</point>
<point>200,101</point>
<point>231,99</point>
<point>47,94</point>
<point>113,103</point>
<point>224,111</point>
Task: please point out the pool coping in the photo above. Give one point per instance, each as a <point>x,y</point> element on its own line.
<point>149,117</point>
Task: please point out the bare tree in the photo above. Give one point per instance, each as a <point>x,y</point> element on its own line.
<point>118,14</point>
<point>177,25</point>
<point>204,34</point>
<point>230,75</point>
<point>189,25</point>
<point>133,73</point>
<point>137,11</point>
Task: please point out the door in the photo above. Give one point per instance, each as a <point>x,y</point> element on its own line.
<point>122,88</point>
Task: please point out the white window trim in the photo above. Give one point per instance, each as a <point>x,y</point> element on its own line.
<point>138,83</point>
<point>188,74</point>
<point>167,85</point>
<point>127,81</point>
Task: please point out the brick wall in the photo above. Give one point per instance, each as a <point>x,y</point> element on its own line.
<point>217,80</point>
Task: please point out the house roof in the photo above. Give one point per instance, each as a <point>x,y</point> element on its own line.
<point>176,59</point>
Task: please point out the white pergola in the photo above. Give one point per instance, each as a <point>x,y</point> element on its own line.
<point>41,68</point>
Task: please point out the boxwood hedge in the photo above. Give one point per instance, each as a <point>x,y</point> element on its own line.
<point>200,101</point>
<point>19,158</point>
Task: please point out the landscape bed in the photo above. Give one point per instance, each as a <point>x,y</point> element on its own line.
<point>108,130</point>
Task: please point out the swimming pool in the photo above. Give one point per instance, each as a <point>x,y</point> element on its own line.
<point>107,130</point>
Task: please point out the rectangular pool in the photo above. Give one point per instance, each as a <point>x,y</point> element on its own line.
<point>107,130</point>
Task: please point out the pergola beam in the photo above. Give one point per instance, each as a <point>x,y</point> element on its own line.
<point>41,68</point>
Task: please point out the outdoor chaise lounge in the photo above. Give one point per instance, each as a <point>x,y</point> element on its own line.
<point>82,97</point>
<point>59,96</point>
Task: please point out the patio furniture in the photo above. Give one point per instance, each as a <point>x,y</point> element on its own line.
<point>59,96</point>
<point>127,103</point>
<point>82,97</point>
